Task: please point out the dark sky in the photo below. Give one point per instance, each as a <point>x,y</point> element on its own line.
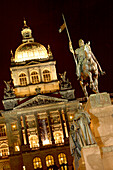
<point>91,20</point>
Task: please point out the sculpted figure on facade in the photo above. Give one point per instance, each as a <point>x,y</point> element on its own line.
<point>64,82</point>
<point>87,67</point>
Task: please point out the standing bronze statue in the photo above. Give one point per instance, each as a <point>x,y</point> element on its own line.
<point>80,135</point>
<point>86,67</point>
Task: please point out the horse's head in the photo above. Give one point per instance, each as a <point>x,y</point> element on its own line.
<point>87,49</point>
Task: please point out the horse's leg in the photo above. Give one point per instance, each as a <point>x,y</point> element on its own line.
<point>91,79</point>
<point>84,88</point>
<point>87,71</point>
<point>95,78</point>
<point>95,88</point>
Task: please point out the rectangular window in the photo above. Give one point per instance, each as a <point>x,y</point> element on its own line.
<point>2,130</point>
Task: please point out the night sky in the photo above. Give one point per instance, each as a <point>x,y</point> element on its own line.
<point>91,20</point>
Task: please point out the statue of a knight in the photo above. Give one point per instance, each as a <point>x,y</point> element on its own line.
<point>84,53</point>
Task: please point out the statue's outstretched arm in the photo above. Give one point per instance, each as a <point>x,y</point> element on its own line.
<point>93,56</point>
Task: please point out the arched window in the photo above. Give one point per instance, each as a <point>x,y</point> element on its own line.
<point>4,150</point>
<point>46,76</point>
<point>58,136</point>
<point>23,79</point>
<point>33,140</point>
<point>37,163</point>
<point>49,162</point>
<point>34,77</point>
<point>62,161</point>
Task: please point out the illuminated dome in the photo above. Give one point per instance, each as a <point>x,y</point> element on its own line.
<point>30,51</point>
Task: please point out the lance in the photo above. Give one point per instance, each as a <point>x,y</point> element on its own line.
<point>69,38</point>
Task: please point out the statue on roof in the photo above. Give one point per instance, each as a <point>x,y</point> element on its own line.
<point>49,52</point>
<point>64,82</point>
<point>8,90</point>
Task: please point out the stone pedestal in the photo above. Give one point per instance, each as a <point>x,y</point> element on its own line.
<point>107,157</point>
<point>101,111</point>
<point>91,158</point>
<point>98,100</point>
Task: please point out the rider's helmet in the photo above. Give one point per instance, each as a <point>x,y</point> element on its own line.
<point>81,43</point>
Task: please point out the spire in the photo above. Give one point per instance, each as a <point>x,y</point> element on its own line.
<point>26,33</point>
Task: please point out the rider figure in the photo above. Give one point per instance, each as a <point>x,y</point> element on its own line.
<point>81,55</point>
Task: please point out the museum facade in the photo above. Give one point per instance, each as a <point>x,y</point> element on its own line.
<point>38,111</point>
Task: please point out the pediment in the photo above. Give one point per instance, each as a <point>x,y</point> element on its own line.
<point>40,100</point>
<point>32,62</point>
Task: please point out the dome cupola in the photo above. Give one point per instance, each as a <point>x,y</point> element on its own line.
<point>31,51</point>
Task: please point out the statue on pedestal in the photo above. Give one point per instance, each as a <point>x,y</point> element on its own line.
<point>86,63</point>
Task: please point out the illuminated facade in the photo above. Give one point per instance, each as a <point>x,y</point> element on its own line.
<point>38,111</point>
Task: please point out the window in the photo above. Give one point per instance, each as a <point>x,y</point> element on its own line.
<point>37,163</point>
<point>4,150</point>
<point>27,34</point>
<point>58,137</point>
<point>2,130</point>
<point>23,80</point>
<point>62,161</point>
<point>46,76</point>
<point>33,139</point>
<point>34,77</point>
<point>49,161</point>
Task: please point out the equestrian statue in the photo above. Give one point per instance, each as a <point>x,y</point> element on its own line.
<point>87,67</point>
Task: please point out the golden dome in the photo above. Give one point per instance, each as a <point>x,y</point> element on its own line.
<point>30,51</point>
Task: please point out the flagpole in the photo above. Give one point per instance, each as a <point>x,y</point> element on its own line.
<point>69,39</point>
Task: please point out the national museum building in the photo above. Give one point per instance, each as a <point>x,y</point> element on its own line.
<point>38,111</point>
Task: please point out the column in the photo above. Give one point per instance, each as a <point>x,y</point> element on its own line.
<point>40,74</point>
<point>9,136</point>
<point>50,127</point>
<point>38,129</point>
<point>20,130</point>
<point>62,124</point>
<point>66,119</point>
<point>25,129</point>
<point>29,76</point>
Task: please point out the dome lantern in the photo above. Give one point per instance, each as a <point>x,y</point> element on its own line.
<point>26,33</point>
